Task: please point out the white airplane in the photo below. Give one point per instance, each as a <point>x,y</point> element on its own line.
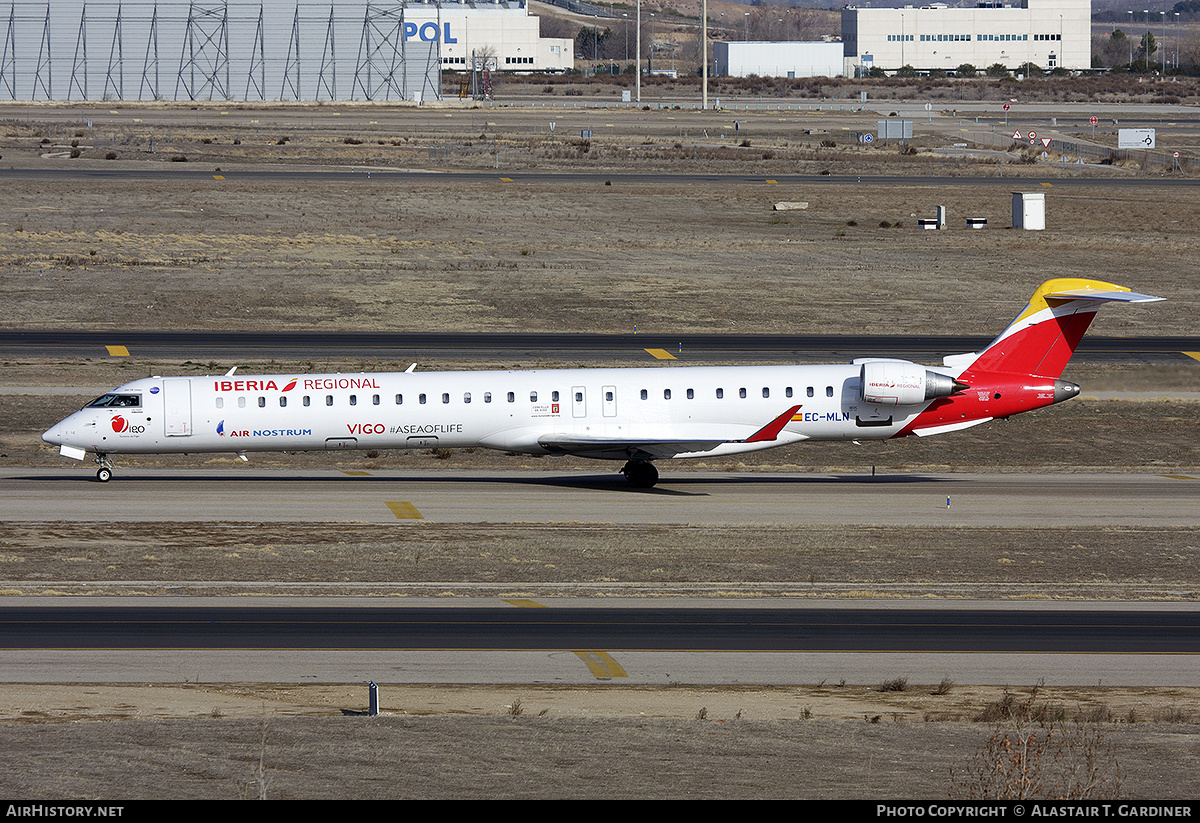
<point>633,414</point>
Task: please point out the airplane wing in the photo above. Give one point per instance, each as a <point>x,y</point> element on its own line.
<point>615,449</point>
<point>651,448</point>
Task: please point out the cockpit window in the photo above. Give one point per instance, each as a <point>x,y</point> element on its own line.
<point>116,401</point>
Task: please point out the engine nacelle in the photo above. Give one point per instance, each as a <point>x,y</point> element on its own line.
<point>899,383</point>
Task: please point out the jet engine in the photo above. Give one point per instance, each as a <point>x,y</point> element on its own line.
<point>900,383</point>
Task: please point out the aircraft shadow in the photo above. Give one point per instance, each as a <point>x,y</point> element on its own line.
<point>668,485</point>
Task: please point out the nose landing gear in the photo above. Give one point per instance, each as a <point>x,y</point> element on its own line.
<point>641,474</point>
<point>105,472</point>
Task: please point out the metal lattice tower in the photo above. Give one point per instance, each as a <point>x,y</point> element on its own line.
<point>150,64</point>
<point>46,83</point>
<point>79,64</point>
<point>381,55</point>
<point>205,49</point>
<point>291,67</point>
<point>8,58</point>
<point>116,64</point>
<point>258,62</point>
<point>328,63</point>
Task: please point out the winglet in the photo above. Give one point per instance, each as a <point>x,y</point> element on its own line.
<point>772,429</point>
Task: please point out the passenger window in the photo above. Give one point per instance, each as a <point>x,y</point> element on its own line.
<point>282,400</point>
<point>720,394</point>
<point>445,397</point>
<point>645,394</point>
<point>810,391</point>
<point>666,394</point>
<point>829,391</point>
<point>788,391</point>
<point>487,397</point>
<point>421,399</point>
<point>241,402</point>
<point>262,402</point>
<point>329,400</point>
<point>578,397</point>
<point>554,397</point>
<point>608,397</point>
<point>220,402</point>
<point>742,393</point>
<point>374,400</point>
<point>466,397</point>
<point>766,392</point>
<point>533,397</point>
<point>399,400</point>
<point>691,395</point>
<point>354,400</point>
<point>512,398</point>
<point>307,400</point>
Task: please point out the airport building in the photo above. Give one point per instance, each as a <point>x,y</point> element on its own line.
<point>273,50</point>
<point>1047,33</point>
<point>778,59</point>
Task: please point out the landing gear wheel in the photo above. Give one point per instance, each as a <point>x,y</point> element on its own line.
<point>641,474</point>
<point>104,474</point>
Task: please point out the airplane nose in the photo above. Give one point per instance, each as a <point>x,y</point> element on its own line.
<point>53,435</point>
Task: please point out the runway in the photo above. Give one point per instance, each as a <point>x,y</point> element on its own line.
<point>657,642</point>
<point>533,347</point>
<point>248,494</point>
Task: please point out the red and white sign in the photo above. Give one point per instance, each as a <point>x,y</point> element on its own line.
<point>1006,106</point>
<point>1093,120</point>
<point>1017,136</point>
<point>1046,141</point>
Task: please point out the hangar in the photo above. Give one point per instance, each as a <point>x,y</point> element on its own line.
<point>273,50</point>
<point>1047,33</point>
<point>780,59</point>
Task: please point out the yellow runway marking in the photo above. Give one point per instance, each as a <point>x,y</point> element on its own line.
<point>117,351</point>
<point>600,664</point>
<point>773,182</point>
<point>355,473</point>
<point>660,354</point>
<point>404,510</point>
<point>218,177</point>
<point>1195,355</point>
<point>1048,185</point>
<point>526,604</point>
<point>1181,477</point>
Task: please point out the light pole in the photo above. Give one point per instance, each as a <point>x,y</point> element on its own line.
<point>595,43</point>
<point>1146,17</point>
<point>638,73</point>
<point>1164,42</point>
<point>746,27</point>
<point>704,47</point>
<point>625,14</point>
<point>1131,42</point>
<point>650,59</point>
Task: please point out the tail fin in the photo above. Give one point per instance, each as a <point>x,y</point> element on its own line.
<point>1044,336</point>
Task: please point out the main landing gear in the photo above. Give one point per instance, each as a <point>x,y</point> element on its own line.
<point>105,472</point>
<point>641,474</point>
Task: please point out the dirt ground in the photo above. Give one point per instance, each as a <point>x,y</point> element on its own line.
<point>601,742</point>
<point>223,251</point>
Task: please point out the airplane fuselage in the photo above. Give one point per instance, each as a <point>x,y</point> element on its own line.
<point>638,415</point>
<point>520,411</point>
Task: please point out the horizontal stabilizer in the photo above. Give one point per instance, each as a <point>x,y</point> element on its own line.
<point>1102,296</point>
